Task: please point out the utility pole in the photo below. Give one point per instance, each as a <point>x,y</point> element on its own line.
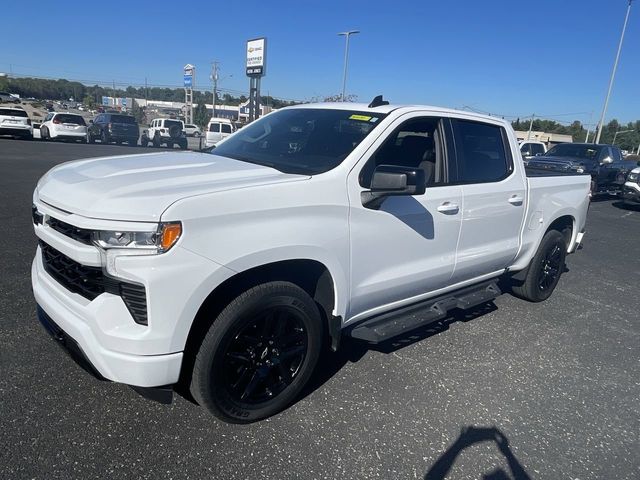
<point>586,138</point>
<point>346,59</point>
<point>613,74</point>
<point>530,126</point>
<point>214,79</point>
<point>114,94</point>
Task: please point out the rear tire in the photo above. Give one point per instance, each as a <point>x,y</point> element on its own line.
<point>258,353</point>
<point>545,269</point>
<point>44,134</point>
<point>90,138</point>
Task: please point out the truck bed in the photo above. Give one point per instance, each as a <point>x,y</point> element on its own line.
<point>543,172</point>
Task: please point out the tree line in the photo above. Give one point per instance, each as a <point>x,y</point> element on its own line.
<point>628,137</point>
<point>61,89</point>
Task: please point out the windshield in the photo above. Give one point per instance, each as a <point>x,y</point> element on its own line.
<point>11,112</point>
<point>301,140</point>
<point>588,152</point>
<point>123,119</point>
<point>67,118</point>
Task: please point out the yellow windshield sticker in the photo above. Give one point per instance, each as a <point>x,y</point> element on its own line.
<point>363,118</point>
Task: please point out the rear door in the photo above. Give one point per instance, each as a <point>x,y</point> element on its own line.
<point>494,197</point>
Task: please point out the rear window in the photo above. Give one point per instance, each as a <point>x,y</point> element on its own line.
<point>13,112</point>
<point>123,119</point>
<point>214,127</point>
<point>73,119</point>
<point>226,128</point>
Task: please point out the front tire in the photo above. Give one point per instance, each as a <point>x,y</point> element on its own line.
<point>258,353</point>
<point>545,269</point>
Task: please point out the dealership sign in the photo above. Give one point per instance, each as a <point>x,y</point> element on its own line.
<point>188,75</point>
<point>256,57</point>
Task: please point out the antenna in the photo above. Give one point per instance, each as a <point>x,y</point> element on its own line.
<point>377,102</point>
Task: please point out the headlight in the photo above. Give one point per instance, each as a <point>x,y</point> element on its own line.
<point>158,241</point>
<point>633,177</point>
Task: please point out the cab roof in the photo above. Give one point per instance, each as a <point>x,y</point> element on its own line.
<point>386,109</point>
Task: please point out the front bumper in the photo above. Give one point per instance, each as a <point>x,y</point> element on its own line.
<point>631,192</point>
<point>83,333</point>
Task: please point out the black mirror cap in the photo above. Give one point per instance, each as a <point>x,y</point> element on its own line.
<point>398,180</point>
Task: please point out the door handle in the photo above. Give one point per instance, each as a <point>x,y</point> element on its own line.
<point>448,208</point>
<point>516,200</point>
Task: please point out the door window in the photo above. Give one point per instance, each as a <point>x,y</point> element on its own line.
<point>214,127</point>
<point>482,152</point>
<point>226,128</point>
<point>536,149</point>
<point>415,144</point>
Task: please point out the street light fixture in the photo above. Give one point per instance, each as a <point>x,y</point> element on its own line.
<point>346,59</point>
<point>613,74</point>
<point>619,132</point>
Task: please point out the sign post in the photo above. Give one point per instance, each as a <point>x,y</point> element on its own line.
<point>256,68</point>
<point>189,73</point>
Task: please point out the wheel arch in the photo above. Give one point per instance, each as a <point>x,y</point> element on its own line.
<point>312,276</point>
<point>565,224</point>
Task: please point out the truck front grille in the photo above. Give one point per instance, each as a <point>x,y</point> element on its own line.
<point>78,234</point>
<point>90,282</point>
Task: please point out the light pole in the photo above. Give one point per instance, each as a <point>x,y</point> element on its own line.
<point>619,132</point>
<point>214,79</point>
<point>613,74</point>
<point>346,59</point>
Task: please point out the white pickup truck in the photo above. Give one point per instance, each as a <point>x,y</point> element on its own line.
<point>229,272</point>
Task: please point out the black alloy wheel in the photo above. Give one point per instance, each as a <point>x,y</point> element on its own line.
<point>258,353</point>
<point>265,356</point>
<point>545,268</point>
<point>550,268</point>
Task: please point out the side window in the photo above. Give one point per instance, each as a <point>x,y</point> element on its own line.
<point>482,152</point>
<point>214,127</point>
<point>536,149</point>
<point>526,149</point>
<point>414,144</point>
<point>617,154</point>
<point>226,128</point>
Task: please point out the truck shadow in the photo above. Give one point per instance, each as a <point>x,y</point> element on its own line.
<point>468,437</point>
<point>351,351</point>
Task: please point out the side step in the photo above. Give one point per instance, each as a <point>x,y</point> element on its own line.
<point>391,324</point>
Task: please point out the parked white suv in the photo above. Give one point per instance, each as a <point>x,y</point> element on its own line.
<point>530,148</point>
<point>218,129</point>
<point>15,121</point>
<point>192,130</point>
<point>229,272</point>
<point>165,131</point>
<point>63,126</point>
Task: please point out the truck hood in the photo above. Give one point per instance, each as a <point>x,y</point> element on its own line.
<point>141,187</point>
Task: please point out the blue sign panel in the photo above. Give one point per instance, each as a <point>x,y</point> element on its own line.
<point>188,81</point>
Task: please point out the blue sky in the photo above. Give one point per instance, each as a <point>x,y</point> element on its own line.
<point>549,57</point>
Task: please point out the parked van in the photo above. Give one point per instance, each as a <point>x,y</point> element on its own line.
<point>218,129</point>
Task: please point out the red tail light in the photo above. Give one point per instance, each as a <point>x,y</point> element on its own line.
<point>162,130</point>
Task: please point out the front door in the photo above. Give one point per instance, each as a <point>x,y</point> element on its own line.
<point>406,247</point>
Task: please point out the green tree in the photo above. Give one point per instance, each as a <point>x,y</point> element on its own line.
<point>201,115</point>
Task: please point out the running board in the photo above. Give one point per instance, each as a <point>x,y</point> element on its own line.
<point>391,324</point>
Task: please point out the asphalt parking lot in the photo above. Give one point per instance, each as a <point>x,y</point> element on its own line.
<point>513,390</point>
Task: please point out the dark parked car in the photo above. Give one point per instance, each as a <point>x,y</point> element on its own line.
<point>604,163</point>
<point>111,127</point>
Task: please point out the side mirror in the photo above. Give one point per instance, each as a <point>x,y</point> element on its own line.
<point>539,154</point>
<point>392,180</point>
<point>607,160</point>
